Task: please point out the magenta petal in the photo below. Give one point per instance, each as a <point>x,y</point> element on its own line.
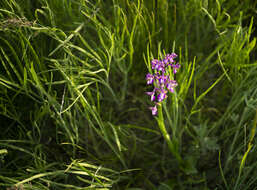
<point>152,95</point>
<point>149,78</point>
<point>162,95</point>
<point>171,85</point>
<point>175,68</point>
<point>154,110</point>
<point>173,55</point>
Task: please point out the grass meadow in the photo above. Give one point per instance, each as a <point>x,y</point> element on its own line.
<point>74,113</point>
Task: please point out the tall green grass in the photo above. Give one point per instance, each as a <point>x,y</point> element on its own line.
<point>73,109</point>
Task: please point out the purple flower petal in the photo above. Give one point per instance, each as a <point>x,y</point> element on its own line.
<point>149,78</point>
<point>171,85</point>
<point>154,63</point>
<point>166,60</point>
<point>154,110</point>
<point>152,95</point>
<point>175,68</point>
<point>173,55</point>
<point>162,79</point>
<point>162,95</point>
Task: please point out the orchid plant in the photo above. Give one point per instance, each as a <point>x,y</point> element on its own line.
<point>161,78</point>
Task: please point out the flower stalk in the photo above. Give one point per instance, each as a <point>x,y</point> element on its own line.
<point>172,147</point>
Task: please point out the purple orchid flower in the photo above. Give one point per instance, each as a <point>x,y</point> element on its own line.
<point>162,95</point>
<point>149,78</point>
<point>161,79</point>
<point>152,95</point>
<point>154,110</point>
<point>171,85</point>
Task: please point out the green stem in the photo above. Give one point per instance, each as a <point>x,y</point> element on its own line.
<point>166,135</point>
